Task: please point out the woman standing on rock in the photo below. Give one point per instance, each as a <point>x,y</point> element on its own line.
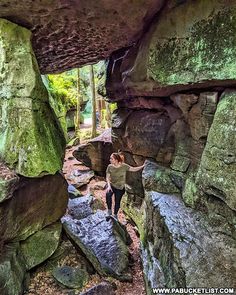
<point>116,176</point>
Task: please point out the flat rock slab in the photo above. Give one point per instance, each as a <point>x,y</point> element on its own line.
<point>202,254</point>
<point>62,30</point>
<point>103,246</point>
<point>100,289</point>
<point>41,245</point>
<point>71,277</point>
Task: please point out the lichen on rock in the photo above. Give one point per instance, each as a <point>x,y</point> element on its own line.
<point>216,174</point>
<point>31,141</point>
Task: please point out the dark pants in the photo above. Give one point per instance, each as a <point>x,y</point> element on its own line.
<point>118,193</point>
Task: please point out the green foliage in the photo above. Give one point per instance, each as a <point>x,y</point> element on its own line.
<point>113,107</point>
<point>63,88</point>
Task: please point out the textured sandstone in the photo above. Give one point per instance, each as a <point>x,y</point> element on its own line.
<point>96,153</point>
<point>103,243</point>
<point>178,53</point>
<point>35,203</point>
<point>41,245</point>
<point>67,34</point>
<point>12,270</point>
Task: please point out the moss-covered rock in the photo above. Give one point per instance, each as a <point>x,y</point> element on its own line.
<point>159,178</point>
<point>191,192</point>
<point>137,215</point>
<point>71,277</point>
<point>58,107</point>
<point>217,171</point>
<point>41,245</point>
<point>189,45</point>
<point>31,140</point>
<point>184,247</point>
<point>193,50</point>
<point>7,187</point>
<point>12,270</point>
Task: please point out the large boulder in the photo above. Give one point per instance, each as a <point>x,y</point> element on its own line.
<point>186,247</point>
<point>34,204</point>
<point>96,153</point>
<point>12,270</point>
<point>143,132</point>
<point>31,140</point>
<point>178,54</point>
<point>101,242</point>
<point>217,171</point>
<point>72,33</point>
<point>41,245</point>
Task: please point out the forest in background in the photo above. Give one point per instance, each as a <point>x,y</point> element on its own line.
<point>78,95</point>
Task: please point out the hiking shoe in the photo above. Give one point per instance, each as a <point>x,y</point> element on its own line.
<point>108,217</point>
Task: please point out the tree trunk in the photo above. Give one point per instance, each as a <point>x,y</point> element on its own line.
<point>99,110</point>
<point>108,115</point>
<point>92,85</point>
<point>77,121</point>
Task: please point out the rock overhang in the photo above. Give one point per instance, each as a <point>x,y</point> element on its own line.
<point>70,33</point>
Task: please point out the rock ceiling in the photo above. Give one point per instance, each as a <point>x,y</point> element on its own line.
<point>70,33</point>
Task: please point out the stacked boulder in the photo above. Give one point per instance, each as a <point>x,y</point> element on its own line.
<point>175,108</point>
<point>33,194</point>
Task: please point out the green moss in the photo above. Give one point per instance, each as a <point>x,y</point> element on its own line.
<point>31,139</point>
<point>217,171</point>
<point>6,188</point>
<point>12,270</point>
<point>204,51</point>
<point>190,192</point>
<point>41,245</point>
<point>135,214</point>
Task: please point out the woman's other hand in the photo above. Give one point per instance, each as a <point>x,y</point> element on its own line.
<point>109,188</point>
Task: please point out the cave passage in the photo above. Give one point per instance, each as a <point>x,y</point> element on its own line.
<point>163,94</point>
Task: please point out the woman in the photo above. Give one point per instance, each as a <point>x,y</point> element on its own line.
<point>116,176</point>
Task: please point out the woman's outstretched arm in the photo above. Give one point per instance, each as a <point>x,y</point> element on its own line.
<point>135,169</point>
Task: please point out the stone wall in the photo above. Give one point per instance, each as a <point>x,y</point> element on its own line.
<point>175,108</point>
<point>191,152</point>
<point>33,194</point>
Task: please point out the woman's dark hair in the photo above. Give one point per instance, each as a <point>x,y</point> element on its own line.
<point>117,157</point>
